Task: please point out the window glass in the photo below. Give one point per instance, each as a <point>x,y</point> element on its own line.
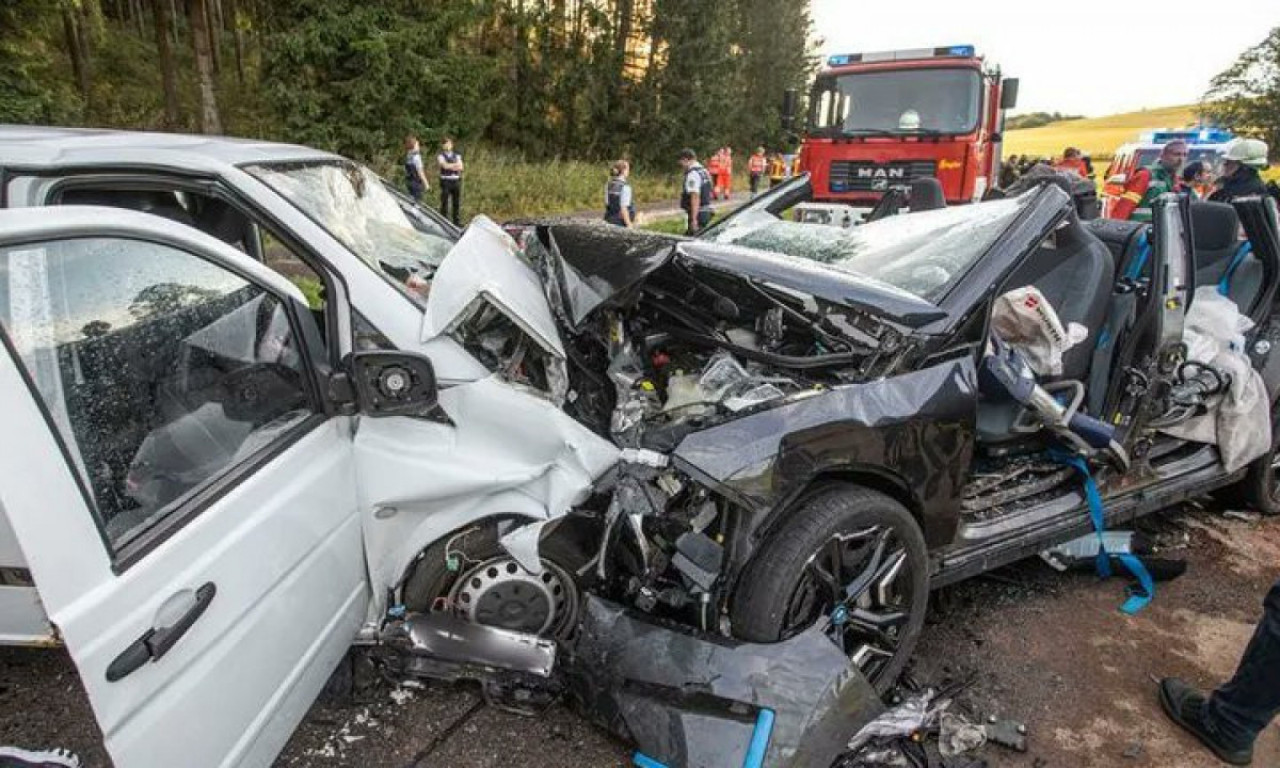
<point>161,370</point>
<point>355,206</point>
<point>211,215</point>
<point>922,253</point>
<point>899,102</point>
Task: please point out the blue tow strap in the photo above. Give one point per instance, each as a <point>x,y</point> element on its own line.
<point>756,748</point>
<point>1145,590</point>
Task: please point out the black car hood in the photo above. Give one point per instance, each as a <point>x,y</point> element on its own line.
<point>587,265</point>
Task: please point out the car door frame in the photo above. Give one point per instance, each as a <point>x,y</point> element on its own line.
<point>398,319</point>
<point>72,593</point>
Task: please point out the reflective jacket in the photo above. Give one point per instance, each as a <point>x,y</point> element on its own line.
<point>1141,190</point>
<point>756,164</point>
<point>1244,182</point>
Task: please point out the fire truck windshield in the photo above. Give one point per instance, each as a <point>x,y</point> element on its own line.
<point>896,102</point>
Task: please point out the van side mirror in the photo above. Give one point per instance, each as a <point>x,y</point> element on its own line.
<point>1009,93</point>
<point>395,384</point>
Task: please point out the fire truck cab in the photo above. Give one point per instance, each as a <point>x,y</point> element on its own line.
<point>1205,145</point>
<point>879,120</point>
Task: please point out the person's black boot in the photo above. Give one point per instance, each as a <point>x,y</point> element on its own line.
<point>1186,707</point>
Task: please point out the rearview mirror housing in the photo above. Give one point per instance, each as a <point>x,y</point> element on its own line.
<point>1009,93</point>
<point>395,384</point>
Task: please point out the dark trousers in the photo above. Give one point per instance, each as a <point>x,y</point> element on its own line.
<point>755,184</point>
<point>451,195</point>
<point>1239,710</point>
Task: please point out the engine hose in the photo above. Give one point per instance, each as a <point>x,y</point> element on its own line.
<point>807,363</point>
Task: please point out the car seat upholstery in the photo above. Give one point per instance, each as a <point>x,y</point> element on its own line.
<point>926,195</point>
<point>1221,257</point>
<point>1125,239</point>
<point>1075,271</point>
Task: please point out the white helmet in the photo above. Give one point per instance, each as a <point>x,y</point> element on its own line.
<point>910,121</point>
<point>1250,152</point>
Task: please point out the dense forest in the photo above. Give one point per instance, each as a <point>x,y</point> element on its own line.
<point>548,78</point>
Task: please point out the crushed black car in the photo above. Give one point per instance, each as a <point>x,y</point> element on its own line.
<point>811,439</point>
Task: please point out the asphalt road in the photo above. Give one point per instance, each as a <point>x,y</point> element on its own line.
<point>1048,649</point>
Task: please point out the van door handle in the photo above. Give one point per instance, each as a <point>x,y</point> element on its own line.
<point>157,641</point>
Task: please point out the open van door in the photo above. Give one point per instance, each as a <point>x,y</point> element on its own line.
<point>184,496</point>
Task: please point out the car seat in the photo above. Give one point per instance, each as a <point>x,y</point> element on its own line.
<point>1221,257</point>
<point>926,195</point>
<point>1075,271</point>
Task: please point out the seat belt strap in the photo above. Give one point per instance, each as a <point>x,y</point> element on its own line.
<point>1224,285</point>
<point>1140,258</point>
<point>1139,595</point>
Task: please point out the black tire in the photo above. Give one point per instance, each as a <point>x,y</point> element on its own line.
<point>765,601</point>
<point>1260,488</point>
<point>431,580</point>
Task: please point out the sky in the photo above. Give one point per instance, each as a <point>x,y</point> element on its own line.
<point>1089,57</point>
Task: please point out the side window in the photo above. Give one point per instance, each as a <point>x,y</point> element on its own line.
<point>214,217</point>
<point>367,337</point>
<point>161,370</point>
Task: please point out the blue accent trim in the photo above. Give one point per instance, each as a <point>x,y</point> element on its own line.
<point>644,761</point>
<point>1104,339</point>
<point>1140,596</point>
<point>1224,285</point>
<point>1140,260</point>
<point>759,740</point>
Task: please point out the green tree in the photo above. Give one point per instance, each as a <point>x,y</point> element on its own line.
<point>1246,96</point>
<point>356,76</point>
<point>30,90</point>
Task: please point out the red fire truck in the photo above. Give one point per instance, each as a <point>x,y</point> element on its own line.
<point>880,120</point>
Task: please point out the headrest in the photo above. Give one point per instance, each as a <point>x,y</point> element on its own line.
<point>926,195</point>
<point>1216,226</point>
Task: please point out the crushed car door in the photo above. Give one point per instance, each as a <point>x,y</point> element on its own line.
<point>185,503</point>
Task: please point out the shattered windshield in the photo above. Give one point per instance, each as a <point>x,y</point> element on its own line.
<point>356,207</point>
<point>921,253</point>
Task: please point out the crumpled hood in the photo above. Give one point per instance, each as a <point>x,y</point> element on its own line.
<point>586,267</point>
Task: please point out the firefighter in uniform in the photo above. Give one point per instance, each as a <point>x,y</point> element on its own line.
<point>1241,165</point>
<point>1146,184</point>
<point>777,169</point>
<point>715,167</point>
<point>755,167</point>
<point>695,195</point>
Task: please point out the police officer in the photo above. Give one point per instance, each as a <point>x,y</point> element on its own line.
<point>695,197</point>
<point>414,173</point>
<point>619,208</point>
<point>1241,163</point>
<point>450,164</point>
<point>1145,185</point>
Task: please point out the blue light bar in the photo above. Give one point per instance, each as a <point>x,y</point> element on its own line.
<point>946,51</point>
<point>1203,135</point>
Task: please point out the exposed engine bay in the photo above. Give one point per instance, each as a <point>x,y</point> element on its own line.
<point>660,344</point>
